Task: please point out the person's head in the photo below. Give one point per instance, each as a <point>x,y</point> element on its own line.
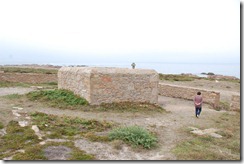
<point>198,93</point>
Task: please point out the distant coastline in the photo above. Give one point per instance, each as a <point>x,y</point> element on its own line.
<point>164,68</point>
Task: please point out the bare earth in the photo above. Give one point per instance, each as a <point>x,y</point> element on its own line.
<point>168,126</point>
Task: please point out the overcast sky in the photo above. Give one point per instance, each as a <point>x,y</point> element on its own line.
<point>120,30</point>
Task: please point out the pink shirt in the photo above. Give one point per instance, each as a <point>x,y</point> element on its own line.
<point>198,100</point>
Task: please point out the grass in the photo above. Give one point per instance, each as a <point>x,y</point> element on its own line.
<point>1,125</point>
<point>223,105</point>
<point>59,127</point>
<point>209,148</point>
<point>37,152</point>
<point>13,96</point>
<point>16,138</point>
<point>13,84</point>
<point>27,70</point>
<point>27,85</point>
<point>129,107</point>
<point>58,98</point>
<point>173,77</point>
<point>135,135</point>
<point>65,99</point>
<point>24,138</point>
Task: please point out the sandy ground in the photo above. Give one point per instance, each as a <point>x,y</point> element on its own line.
<point>168,126</point>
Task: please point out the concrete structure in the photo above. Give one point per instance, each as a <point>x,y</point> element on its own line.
<point>106,85</point>
<point>235,103</point>
<point>210,97</point>
<point>28,77</point>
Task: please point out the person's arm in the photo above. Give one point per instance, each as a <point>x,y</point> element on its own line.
<point>201,101</point>
<point>194,99</point>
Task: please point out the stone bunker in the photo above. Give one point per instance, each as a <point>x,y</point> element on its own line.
<point>107,85</point>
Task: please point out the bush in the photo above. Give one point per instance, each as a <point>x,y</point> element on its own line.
<point>134,135</point>
<point>57,98</point>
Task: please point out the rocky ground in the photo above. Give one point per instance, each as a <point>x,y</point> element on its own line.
<point>168,126</point>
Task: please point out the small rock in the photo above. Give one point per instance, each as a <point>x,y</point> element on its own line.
<point>38,87</point>
<point>215,135</point>
<point>42,143</point>
<point>21,151</point>
<point>8,158</point>
<point>37,131</point>
<point>3,132</point>
<point>28,118</point>
<point>35,128</point>
<point>23,123</point>
<point>16,113</point>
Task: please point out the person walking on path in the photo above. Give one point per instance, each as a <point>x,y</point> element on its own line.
<point>198,104</point>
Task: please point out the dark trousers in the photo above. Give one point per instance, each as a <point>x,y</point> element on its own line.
<point>198,110</point>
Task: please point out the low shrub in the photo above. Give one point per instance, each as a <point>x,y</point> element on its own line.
<point>57,98</point>
<point>134,135</point>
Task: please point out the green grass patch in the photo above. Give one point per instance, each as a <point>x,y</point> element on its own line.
<point>27,70</point>
<point>16,138</point>
<point>58,98</point>
<point>135,135</point>
<point>13,84</point>
<point>27,85</point>
<point>129,107</point>
<point>173,77</point>
<point>38,152</point>
<point>13,96</point>
<point>210,148</point>
<point>58,127</point>
<point>223,105</point>
<point>1,125</point>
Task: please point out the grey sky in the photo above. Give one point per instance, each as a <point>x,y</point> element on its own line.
<point>121,30</point>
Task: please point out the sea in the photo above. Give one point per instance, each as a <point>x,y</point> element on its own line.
<point>172,68</point>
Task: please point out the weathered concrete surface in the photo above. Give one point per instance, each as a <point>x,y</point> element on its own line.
<point>106,85</point>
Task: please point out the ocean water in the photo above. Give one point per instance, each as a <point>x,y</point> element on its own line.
<point>174,68</point>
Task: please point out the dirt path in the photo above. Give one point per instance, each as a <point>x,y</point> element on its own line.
<point>15,90</point>
<point>168,126</point>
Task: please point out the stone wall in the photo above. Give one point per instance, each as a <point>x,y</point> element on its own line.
<point>28,77</point>
<point>235,103</point>
<point>106,85</point>
<point>210,97</point>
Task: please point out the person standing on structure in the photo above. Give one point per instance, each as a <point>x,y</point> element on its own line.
<point>198,104</point>
<point>133,65</point>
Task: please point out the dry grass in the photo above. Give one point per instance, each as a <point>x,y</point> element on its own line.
<point>209,148</point>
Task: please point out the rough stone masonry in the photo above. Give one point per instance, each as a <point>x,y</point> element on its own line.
<point>106,85</point>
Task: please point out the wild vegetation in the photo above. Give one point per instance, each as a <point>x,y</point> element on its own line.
<point>22,144</point>
<point>58,98</point>
<point>64,99</point>
<point>134,135</point>
<point>209,148</point>
<point>27,70</point>
<point>27,85</point>
<point>173,77</point>
<point>62,127</point>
